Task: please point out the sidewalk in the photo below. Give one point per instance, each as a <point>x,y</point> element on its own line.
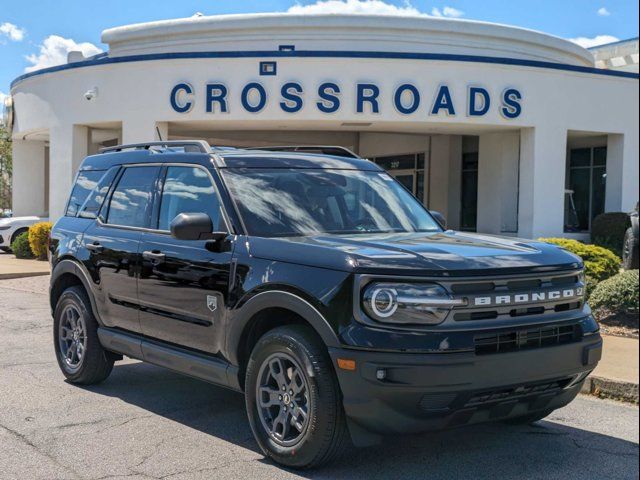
<point>617,373</point>
<point>11,267</point>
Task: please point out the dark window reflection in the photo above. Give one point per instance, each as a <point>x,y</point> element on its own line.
<point>131,198</point>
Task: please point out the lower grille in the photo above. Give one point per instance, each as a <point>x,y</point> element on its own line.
<point>525,339</point>
<point>513,393</point>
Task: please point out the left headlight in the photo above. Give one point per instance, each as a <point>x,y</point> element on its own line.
<point>408,303</point>
<point>5,227</point>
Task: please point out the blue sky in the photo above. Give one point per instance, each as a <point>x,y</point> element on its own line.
<point>38,33</point>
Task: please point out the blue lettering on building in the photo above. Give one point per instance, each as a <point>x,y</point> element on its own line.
<point>329,100</point>
<point>511,107</point>
<point>415,99</point>
<point>292,102</point>
<point>479,101</point>
<point>216,94</point>
<point>366,97</point>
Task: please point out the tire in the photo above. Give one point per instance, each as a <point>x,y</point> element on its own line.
<point>5,249</point>
<point>94,364</point>
<point>323,431</point>
<point>630,250</point>
<point>529,418</point>
<point>16,233</point>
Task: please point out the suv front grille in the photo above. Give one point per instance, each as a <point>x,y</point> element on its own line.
<point>526,339</point>
<point>511,292</point>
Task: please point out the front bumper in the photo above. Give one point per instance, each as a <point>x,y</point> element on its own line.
<point>421,392</point>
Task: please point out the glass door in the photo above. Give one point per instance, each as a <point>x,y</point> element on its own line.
<point>406,178</point>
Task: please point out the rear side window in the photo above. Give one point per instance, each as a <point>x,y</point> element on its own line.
<point>188,189</point>
<point>86,181</point>
<point>94,201</point>
<point>131,199</point>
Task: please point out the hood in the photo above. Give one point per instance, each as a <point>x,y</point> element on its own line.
<point>19,220</point>
<point>438,253</point>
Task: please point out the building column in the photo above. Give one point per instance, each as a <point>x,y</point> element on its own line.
<point>28,179</point>
<point>498,166</point>
<point>444,177</point>
<point>542,181</point>
<point>143,130</point>
<point>68,147</point>
<point>622,172</point>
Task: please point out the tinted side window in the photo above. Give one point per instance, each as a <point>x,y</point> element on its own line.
<point>131,199</point>
<point>94,201</point>
<point>86,181</point>
<point>188,189</point>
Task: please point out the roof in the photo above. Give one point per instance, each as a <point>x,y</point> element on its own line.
<point>230,159</point>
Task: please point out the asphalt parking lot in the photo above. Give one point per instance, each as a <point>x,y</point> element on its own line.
<point>148,423</point>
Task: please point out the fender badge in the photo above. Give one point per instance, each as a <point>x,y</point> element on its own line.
<point>212,302</point>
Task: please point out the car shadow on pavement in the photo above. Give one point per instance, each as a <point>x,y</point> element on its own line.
<point>545,450</point>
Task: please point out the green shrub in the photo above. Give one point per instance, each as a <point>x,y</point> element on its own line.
<point>20,246</point>
<point>39,239</point>
<point>618,294</point>
<point>599,263</point>
<point>607,230</point>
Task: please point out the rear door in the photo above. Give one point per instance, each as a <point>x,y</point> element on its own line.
<point>183,285</point>
<point>112,243</point>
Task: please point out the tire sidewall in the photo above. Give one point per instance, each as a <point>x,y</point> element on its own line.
<point>322,401</point>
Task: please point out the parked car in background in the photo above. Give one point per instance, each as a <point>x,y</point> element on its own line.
<point>11,227</point>
<point>630,246</point>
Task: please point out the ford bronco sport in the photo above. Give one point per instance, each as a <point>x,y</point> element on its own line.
<point>318,286</point>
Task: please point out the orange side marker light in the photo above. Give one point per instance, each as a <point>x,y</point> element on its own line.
<point>346,364</point>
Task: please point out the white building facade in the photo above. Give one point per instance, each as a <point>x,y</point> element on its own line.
<point>503,130</point>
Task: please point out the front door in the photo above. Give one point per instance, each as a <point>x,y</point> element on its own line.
<point>183,285</point>
<point>112,242</point>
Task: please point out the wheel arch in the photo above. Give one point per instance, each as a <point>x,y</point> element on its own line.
<point>65,274</point>
<point>268,310</point>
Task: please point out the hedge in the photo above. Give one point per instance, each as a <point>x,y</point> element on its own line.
<point>607,230</point>
<point>20,246</point>
<point>618,294</point>
<point>39,239</point>
<point>599,263</point>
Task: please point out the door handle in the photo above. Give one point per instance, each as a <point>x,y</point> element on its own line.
<point>94,247</point>
<point>154,256</point>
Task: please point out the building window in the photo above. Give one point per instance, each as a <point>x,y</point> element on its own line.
<point>585,187</point>
<point>408,169</point>
<point>469,192</point>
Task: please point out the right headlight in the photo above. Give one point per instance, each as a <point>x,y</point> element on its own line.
<point>408,303</point>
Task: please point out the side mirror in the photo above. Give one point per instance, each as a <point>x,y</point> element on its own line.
<point>439,218</point>
<point>194,226</point>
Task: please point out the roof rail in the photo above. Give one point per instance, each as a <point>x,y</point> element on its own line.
<point>195,145</point>
<point>335,150</point>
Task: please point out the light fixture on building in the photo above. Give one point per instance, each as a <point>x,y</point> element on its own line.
<point>91,94</point>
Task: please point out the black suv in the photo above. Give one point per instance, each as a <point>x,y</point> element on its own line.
<point>318,286</point>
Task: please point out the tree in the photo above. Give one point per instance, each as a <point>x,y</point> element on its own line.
<point>5,169</point>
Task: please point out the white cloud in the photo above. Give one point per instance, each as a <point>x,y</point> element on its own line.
<point>595,41</point>
<point>603,12</point>
<point>54,50</point>
<point>447,12</point>
<point>12,32</point>
<point>373,7</point>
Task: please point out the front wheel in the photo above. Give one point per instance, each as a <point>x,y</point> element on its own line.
<point>293,399</point>
<point>75,335</point>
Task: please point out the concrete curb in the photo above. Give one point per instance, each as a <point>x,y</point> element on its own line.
<point>609,388</point>
<point>9,276</point>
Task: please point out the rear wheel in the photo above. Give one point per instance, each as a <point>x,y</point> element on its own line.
<point>630,250</point>
<point>75,334</point>
<point>293,399</point>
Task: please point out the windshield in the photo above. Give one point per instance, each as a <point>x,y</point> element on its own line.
<point>289,202</point>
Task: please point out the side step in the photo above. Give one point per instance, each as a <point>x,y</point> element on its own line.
<point>203,367</point>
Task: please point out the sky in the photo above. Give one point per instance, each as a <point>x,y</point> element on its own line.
<point>36,34</point>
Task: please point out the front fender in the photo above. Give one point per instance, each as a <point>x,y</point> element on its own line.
<point>67,265</point>
<point>278,299</point>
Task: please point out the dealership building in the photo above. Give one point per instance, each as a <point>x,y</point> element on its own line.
<point>503,130</point>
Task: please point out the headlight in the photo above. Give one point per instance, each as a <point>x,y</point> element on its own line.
<point>5,227</point>
<point>408,303</point>
<point>582,281</point>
